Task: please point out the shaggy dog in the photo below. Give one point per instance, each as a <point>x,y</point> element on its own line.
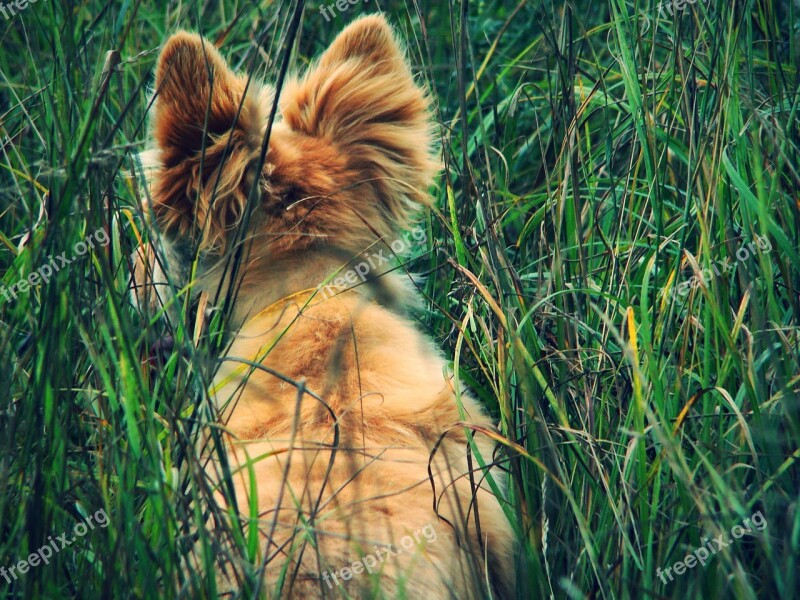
<point>342,425</point>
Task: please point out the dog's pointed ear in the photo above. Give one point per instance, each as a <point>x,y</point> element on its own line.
<point>196,94</point>
<point>203,121</point>
<point>361,97</point>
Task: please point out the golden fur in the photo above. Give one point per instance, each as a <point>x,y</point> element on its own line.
<point>341,462</point>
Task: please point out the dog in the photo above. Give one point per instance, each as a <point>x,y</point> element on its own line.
<point>371,475</point>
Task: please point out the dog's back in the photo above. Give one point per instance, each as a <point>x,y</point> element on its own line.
<point>374,470</point>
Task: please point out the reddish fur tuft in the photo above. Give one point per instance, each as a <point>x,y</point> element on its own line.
<point>208,135</point>
<point>361,98</point>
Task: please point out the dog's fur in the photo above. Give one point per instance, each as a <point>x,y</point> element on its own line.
<point>350,160</point>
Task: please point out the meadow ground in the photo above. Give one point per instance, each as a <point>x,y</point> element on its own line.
<point>612,264</point>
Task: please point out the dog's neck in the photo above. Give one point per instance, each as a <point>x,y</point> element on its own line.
<point>265,282</point>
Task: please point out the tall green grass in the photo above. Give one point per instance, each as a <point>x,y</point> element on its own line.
<point>597,156</point>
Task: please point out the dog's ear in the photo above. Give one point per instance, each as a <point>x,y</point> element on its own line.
<point>207,132</point>
<point>362,98</point>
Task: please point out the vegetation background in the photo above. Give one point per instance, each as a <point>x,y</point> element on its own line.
<point>598,154</point>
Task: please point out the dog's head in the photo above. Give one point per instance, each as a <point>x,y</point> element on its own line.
<point>349,161</point>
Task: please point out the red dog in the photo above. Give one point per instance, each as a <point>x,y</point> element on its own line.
<point>341,463</point>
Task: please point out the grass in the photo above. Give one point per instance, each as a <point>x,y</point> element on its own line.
<point>596,157</point>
